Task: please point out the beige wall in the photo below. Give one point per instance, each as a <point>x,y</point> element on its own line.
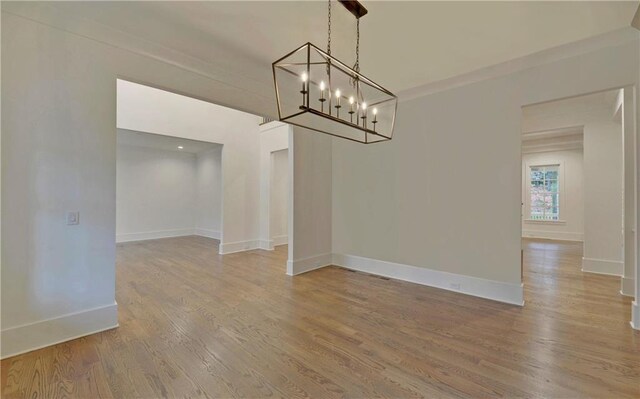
<point>603,194</point>
<point>445,193</point>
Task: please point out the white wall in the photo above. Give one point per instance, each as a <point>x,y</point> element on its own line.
<point>58,281</point>
<point>155,193</point>
<point>146,109</point>
<point>571,196</point>
<point>603,193</point>
<point>444,195</point>
<point>208,209</point>
<point>279,203</point>
<point>309,194</point>
<point>310,164</point>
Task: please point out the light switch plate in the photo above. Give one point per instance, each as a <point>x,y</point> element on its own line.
<point>73,218</point>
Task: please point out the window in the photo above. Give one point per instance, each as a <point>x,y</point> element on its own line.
<point>544,193</point>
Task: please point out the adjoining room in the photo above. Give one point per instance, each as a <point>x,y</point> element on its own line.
<point>573,189</point>
<point>167,187</point>
<point>234,169</point>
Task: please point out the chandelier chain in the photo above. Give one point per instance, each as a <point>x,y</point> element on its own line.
<point>356,66</point>
<point>329,31</point>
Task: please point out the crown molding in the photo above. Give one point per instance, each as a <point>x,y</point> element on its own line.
<point>553,133</point>
<point>552,147</point>
<point>561,139</point>
<point>614,38</point>
<point>48,14</point>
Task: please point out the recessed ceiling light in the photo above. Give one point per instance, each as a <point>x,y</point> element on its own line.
<point>180,147</point>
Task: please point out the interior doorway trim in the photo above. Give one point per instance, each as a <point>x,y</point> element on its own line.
<point>274,136</point>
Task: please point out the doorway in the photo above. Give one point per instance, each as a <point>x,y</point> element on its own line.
<point>577,177</point>
<point>239,139</point>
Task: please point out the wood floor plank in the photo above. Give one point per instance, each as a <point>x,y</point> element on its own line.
<point>196,324</point>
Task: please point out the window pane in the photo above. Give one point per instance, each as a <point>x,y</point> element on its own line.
<point>537,200</point>
<point>544,200</point>
<point>551,185</point>
<point>537,183</point>
<point>551,174</point>
<point>538,190</point>
<point>536,174</point>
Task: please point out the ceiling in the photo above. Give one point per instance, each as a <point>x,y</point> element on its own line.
<point>403,44</point>
<point>160,142</point>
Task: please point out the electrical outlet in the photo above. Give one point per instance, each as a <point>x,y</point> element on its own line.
<point>73,218</point>
<point>454,286</point>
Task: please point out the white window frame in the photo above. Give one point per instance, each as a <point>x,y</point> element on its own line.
<point>527,192</point>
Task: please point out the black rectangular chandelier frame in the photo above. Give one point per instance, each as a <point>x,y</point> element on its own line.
<point>370,135</point>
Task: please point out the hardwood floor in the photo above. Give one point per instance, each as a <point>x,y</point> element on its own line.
<point>197,324</point>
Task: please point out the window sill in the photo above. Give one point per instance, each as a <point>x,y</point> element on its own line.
<point>536,221</point>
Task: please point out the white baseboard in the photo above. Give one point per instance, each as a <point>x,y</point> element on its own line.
<point>511,293</point>
<point>635,314</point>
<point>304,265</point>
<point>553,235</point>
<point>152,235</point>
<point>268,245</point>
<point>627,286</point>
<point>602,266</point>
<point>238,246</point>
<point>280,240</point>
<point>207,233</point>
<point>32,336</point>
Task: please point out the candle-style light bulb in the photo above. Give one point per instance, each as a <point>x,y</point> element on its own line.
<point>375,118</point>
<point>322,99</point>
<point>338,106</point>
<point>364,115</point>
<point>351,101</point>
<point>304,78</point>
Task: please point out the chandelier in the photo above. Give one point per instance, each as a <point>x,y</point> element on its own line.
<point>316,91</point>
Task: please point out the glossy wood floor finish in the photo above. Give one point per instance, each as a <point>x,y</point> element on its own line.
<point>197,324</point>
